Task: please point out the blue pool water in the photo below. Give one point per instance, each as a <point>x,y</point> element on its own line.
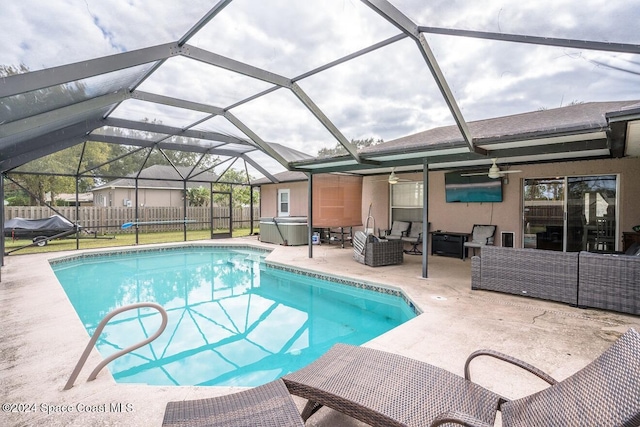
<point>233,320</point>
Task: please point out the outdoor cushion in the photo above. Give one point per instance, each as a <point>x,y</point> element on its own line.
<point>633,250</point>
<point>398,229</point>
<point>483,234</point>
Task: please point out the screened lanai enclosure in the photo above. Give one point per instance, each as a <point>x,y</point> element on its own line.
<point>97,94</point>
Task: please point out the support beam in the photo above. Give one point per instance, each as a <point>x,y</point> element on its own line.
<point>211,58</point>
<point>35,80</point>
<point>539,41</point>
<point>256,139</point>
<point>62,114</point>
<point>3,221</point>
<point>394,16</point>
<point>317,112</point>
<point>259,168</point>
<point>136,142</point>
<point>425,217</point>
<point>310,213</point>
<point>351,56</point>
<point>15,155</point>
<point>176,102</point>
<point>447,94</point>
<point>406,25</point>
<point>172,130</point>
<point>203,21</point>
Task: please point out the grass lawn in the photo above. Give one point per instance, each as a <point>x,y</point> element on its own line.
<point>129,239</point>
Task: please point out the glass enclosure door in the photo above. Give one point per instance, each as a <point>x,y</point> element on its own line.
<point>591,213</point>
<point>590,206</point>
<point>543,213</point>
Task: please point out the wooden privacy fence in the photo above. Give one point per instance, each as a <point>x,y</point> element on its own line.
<point>110,219</point>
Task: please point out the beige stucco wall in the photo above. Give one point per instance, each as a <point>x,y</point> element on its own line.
<point>507,215</point>
<point>460,217</point>
<point>298,192</point>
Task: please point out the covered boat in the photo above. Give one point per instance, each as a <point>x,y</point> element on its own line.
<point>39,230</point>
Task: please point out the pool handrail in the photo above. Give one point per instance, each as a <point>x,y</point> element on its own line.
<point>98,331</point>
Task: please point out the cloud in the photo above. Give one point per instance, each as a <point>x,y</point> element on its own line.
<point>386,94</point>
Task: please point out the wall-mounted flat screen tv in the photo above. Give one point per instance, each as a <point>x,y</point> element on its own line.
<point>476,188</point>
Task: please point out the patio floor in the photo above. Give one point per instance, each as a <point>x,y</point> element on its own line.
<point>41,338</point>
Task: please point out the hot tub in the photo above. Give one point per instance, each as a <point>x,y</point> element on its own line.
<point>291,229</point>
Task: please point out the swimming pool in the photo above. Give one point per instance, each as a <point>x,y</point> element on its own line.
<point>233,318</point>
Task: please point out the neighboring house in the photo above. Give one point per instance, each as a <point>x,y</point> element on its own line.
<point>158,185</point>
<point>69,199</point>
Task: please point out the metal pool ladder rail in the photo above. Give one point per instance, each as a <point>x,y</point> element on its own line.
<point>98,331</point>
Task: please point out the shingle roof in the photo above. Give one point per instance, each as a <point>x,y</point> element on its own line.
<point>589,116</point>
<point>286,176</point>
<point>162,176</point>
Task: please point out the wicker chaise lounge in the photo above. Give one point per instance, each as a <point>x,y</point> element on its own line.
<point>269,405</point>
<point>383,389</point>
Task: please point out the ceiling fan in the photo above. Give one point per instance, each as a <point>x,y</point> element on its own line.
<point>393,178</point>
<point>494,171</point>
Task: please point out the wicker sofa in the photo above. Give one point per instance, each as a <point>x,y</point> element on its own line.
<point>609,281</point>
<point>536,273</point>
<point>585,279</point>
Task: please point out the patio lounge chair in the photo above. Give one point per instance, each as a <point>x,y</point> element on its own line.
<point>384,389</point>
<point>269,405</point>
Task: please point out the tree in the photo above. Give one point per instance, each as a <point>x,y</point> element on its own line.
<point>46,99</point>
<point>339,150</point>
<point>241,194</point>
<point>198,196</point>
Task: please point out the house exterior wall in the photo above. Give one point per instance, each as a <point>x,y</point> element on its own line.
<point>337,201</point>
<point>299,204</point>
<point>146,197</point>
<point>507,215</point>
<point>460,217</point>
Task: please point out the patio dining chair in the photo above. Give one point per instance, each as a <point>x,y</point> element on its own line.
<point>397,231</point>
<point>481,235</point>
<point>414,237</point>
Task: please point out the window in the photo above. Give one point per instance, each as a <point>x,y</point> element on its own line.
<point>283,202</point>
<point>406,201</point>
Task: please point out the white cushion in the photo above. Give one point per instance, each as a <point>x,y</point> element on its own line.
<point>483,234</point>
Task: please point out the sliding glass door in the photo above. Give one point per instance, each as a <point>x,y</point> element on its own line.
<point>570,213</point>
<point>544,213</point>
<point>591,213</point>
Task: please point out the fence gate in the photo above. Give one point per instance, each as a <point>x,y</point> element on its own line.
<point>221,224</point>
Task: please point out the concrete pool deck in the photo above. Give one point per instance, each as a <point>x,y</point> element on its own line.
<point>41,338</point>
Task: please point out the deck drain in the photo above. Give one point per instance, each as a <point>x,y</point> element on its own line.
<point>439,298</point>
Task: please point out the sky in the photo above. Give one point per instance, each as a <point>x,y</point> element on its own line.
<point>386,94</point>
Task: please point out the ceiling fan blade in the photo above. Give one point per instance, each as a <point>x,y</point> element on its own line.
<point>473,174</point>
<point>510,171</point>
